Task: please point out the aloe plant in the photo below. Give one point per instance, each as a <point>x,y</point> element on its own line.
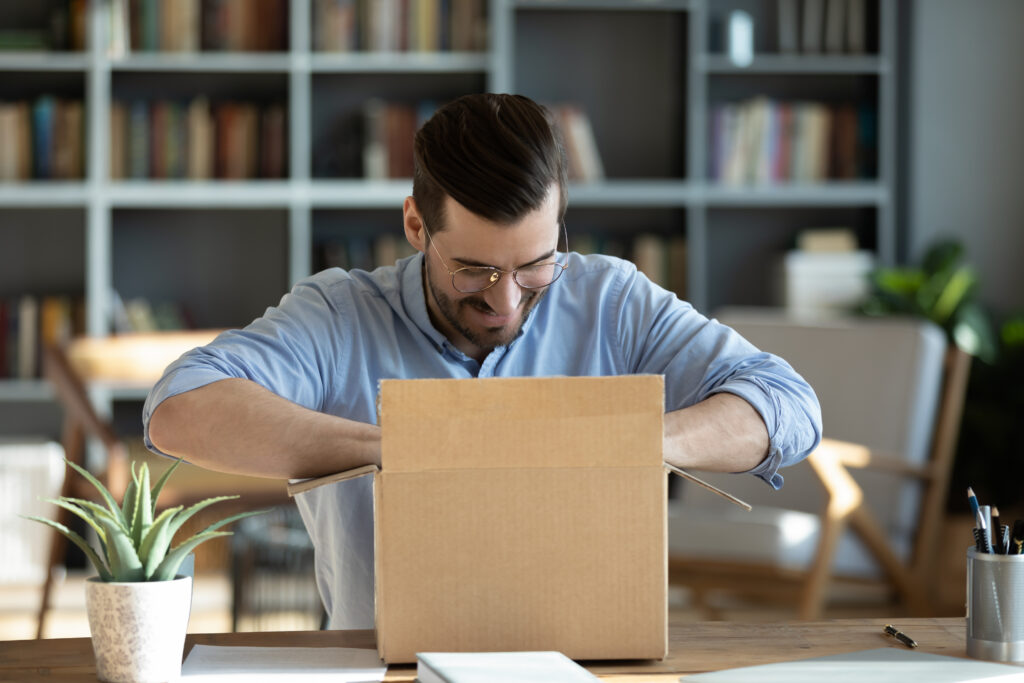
<point>135,541</point>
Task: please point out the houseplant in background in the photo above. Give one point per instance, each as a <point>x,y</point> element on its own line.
<point>944,289</point>
<point>138,606</point>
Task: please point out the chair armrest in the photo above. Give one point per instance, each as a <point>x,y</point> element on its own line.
<point>859,456</point>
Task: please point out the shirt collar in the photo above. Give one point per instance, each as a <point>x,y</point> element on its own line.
<point>414,299</point>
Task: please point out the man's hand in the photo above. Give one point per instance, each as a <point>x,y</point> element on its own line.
<point>722,433</point>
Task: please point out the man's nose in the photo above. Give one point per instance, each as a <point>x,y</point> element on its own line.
<point>504,296</point>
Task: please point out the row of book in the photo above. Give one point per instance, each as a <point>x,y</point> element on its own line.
<point>60,27</point>
<point>363,252</point>
<point>661,257</point>
<point>28,322</point>
<point>400,25</point>
<point>197,140</point>
<point>41,139</point>
<point>374,141</point>
<point>139,314</point>
<point>585,163</point>
<point>814,26</point>
<point>763,141</point>
<point>193,25</point>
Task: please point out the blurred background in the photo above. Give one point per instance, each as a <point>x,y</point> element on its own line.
<point>175,165</point>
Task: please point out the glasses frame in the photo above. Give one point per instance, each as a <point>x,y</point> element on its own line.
<point>498,273</point>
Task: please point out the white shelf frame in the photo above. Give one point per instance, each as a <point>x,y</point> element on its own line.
<point>301,195</point>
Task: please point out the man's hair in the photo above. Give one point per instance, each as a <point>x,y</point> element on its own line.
<point>496,155</point>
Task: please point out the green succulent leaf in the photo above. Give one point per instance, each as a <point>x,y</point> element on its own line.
<point>74,508</point>
<point>127,511</point>
<point>169,567</point>
<point>193,509</point>
<point>157,541</point>
<point>143,518</point>
<point>125,564</point>
<point>109,499</point>
<point>101,568</point>
<point>159,486</point>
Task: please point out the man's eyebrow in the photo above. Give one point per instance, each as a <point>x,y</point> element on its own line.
<point>477,264</point>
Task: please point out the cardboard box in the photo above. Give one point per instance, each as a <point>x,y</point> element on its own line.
<point>521,514</point>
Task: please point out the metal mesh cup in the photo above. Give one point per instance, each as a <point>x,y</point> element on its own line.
<point>995,606</point>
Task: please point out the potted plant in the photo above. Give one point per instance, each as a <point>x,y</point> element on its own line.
<point>138,606</point>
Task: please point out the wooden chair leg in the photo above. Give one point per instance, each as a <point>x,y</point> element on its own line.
<point>74,451</point>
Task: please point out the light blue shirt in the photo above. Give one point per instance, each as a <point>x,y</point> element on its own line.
<point>330,341</point>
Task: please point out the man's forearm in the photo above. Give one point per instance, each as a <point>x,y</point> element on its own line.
<point>237,426</point>
<point>722,433</point>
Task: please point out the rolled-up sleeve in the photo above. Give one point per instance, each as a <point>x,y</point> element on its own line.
<point>700,357</point>
<point>279,351</point>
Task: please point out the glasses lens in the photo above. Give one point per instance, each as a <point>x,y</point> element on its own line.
<point>540,275</point>
<point>468,280</point>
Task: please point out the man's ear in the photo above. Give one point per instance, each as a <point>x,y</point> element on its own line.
<point>413,225</point>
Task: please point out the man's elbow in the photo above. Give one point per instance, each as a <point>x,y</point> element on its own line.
<point>165,428</point>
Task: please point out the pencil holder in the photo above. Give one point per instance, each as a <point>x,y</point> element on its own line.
<point>995,606</point>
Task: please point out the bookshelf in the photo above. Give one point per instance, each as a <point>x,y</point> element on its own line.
<point>650,75</point>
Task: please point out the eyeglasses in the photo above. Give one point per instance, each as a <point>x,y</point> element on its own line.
<point>470,279</point>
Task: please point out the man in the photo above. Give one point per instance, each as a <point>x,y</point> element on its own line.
<point>488,294</point>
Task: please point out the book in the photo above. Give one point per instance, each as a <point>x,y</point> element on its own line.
<point>498,667</point>
<point>835,18</point>
<point>788,26</point>
<point>812,25</point>
<point>855,25</point>
<point>878,665</point>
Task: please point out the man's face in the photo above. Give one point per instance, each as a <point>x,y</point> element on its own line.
<point>478,322</point>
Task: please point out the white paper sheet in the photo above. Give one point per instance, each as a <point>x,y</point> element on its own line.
<point>258,664</point>
<point>882,665</point>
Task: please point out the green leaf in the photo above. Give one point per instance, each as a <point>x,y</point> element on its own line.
<point>193,509</point>
<point>101,568</point>
<point>157,541</point>
<point>973,333</point>
<point>169,567</point>
<point>111,503</point>
<point>122,555</point>
<point>74,509</point>
<point>96,509</point>
<point>900,281</point>
<point>143,519</point>
<point>129,496</point>
<point>161,481</point>
<point>953,294</point>
<point>942,256</point>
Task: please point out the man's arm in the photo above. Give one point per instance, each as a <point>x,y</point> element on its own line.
<point>237,426</point>
<point>722,433</point>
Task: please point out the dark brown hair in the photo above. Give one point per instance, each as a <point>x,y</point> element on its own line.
<point>496,155</point>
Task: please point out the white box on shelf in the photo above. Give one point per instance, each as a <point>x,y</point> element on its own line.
<point>820,282</point>
<point>31,469</point>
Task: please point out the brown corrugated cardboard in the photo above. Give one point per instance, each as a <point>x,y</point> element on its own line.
<point>521,514</point>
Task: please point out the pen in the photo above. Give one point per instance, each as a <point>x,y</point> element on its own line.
<point>899,635</point>
<point>973,501</point>
<point>997,533</point>
<point>1018,537</point>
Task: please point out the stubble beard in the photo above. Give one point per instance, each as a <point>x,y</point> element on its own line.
<point>487,338</point>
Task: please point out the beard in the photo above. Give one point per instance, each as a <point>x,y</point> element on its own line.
<point>484,338</point>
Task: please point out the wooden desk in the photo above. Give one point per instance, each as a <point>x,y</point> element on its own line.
<point>693,648</point>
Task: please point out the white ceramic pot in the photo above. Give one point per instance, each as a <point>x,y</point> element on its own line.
<point>138,629</point>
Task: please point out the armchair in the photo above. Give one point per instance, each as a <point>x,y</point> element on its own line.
<point>868,504</point>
